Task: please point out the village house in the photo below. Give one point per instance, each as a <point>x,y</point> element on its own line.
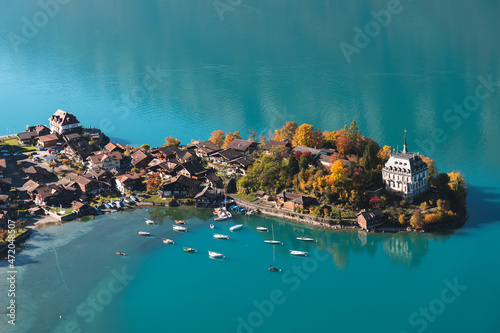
<point>179,186</point>
<point>165,153</point>
<point>78,150</point>
<point>30,186</point>
<point>275,144</point>
<point>127,181</point>
<point>5,201</point>
<point>184,156</point>
<point>405,174</point>
<point>52,195</point>
<point>26,138</point>
<point>241,164</point>
<point>204,148</point>
<point>47,141</point>
<point>32,132</point>
<point>292,200</point>
<point>369,219</point>
<point>243,146</point>
<point>80,207</point>
<point>164,169</point>
<point>141,159</point>
<point>38,173</point>
<point>61,122</point>
<point>98,174</point>
<point>192,169</point>
<point>105,159</point>
<point>5,184</point>
<point>112,147</point>
<point>206,198</point>
<point>225,156</point>
<point>3,166</point>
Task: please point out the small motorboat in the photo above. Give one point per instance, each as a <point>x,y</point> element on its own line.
<point>305,239</point>
<point>212,226</point>
<point>215,255</point>
<point>189,249</point>
<point>150,222</point>
<point>144,233</point>
<point>273,269</point>
<point>168,241</point>
<point>298,253</point>
<point>120,253</point>
<point>220,218</point>
<point>179,228</point>
<point>220,236</point>
<point>236,227</point>
<point>272,241</point>
<point>262,229</point>
<point>180,222</point>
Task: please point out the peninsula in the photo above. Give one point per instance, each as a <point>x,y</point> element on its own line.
<point>332,179</point>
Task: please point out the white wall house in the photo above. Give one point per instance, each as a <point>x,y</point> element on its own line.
<point>62,121</point>
<point>405,173</point>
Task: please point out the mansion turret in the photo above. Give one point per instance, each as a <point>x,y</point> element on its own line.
<point>405,174</point>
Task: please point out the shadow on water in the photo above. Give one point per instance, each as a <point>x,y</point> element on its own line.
<point>482,206</point>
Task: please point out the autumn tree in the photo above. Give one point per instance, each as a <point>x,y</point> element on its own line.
<point>344,145</point>
<point>253,134</point>
<point>154,182</point>
<point>217,137</point>
<point>145,147</point>
<point>384,153</point>
<point>375,202</point>
<point>52,165</point>
<point>432,170</point>
<point>171,141</point>
<point>287,132</point>
<point>338,171</point>
<point>402,219</point>
<point>417,220</point>
<point>307,136</point>
<point>230,137</point>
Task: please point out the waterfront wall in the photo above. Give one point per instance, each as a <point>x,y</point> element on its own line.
<point>297,217</point>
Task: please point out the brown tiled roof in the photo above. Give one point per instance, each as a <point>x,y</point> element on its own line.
<point>47,138</point>
<point>241,145</point>
<point>3,163</point>
<point>275,143</point>
<point>31,185</point>
<point>61,117</point>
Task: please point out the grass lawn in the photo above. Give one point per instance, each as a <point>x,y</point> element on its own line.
<point>246,197</point>
<point>14,145</point>
<point>155,198</point>
<point>19,231</point>
<point>65,210</point>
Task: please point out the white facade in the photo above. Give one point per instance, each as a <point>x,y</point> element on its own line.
<point>405,173</point>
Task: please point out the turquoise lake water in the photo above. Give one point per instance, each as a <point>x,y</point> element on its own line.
<point>146,70</point>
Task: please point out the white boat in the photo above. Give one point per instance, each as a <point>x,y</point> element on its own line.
<point>236,227</point>
<point>212,226</point>
<point>262,229</point>
<point>272,241</point>
<point>298,253</point>
<point>179,228</point>
<point>305,239</point>
<point>216,255</point>
<point>150,222</point>
<point>220,218</point>
<point>221,236</point>
<point>144,233</point>
<point>168,241</point>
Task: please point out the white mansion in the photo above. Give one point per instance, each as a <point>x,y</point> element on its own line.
<point>406,174</point>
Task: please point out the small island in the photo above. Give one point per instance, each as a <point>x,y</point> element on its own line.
<point>337,179</point>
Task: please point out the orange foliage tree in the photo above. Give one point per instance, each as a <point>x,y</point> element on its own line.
<point>217,137</point>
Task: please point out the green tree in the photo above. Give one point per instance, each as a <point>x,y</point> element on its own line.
<point>145,147</point>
